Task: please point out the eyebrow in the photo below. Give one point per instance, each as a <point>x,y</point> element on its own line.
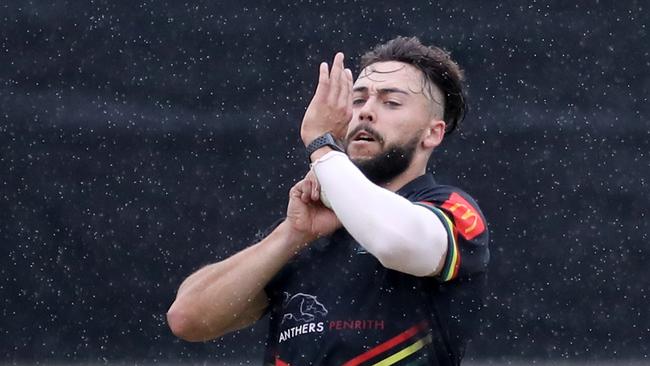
<point>364,89</point>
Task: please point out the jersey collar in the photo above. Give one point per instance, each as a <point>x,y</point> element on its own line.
<point>417,184</point>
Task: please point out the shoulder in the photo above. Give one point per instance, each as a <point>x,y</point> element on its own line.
<point>457,205</point>
<point>467,229</point>
<point>444,195</point>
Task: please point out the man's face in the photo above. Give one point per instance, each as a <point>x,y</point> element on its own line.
<point>391,113</point>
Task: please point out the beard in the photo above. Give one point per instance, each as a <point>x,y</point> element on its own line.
<point>388,164</point>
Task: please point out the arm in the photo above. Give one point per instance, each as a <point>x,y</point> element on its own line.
<point>229,295</point>
<point>403,236</point>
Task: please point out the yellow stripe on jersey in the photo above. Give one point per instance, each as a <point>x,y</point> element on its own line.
<point>409,350</point>
<point>452,261</point>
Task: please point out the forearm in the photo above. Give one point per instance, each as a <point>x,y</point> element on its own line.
<point>226,295</point>
<point>403,236</point>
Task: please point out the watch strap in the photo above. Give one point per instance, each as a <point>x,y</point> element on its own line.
<point>325,140</point>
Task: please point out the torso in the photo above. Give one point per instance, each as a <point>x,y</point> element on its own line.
<point>335,304</point>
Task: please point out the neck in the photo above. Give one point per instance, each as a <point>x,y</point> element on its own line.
<point>412,172</point>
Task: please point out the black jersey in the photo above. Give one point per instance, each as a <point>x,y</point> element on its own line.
<point>335,304</point>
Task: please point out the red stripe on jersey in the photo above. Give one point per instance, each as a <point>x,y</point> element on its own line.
<point>400,338</point>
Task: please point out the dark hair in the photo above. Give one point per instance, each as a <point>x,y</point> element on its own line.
<point>436,65</point>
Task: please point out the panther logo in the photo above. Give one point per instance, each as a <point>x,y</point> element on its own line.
<point>302,307</point>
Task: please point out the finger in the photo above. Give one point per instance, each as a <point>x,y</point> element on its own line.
<point>315,189</point>
<point>297,190</point>
<point>345,94</point>
<point>311,177</point>
<point>293,192</point>
<point>323,82</point>
<point>306,191</point>
<point>337,66</point>
<point>350,82</point>
<point>335,78</point>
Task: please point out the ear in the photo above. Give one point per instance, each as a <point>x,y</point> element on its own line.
<point>434,134</point>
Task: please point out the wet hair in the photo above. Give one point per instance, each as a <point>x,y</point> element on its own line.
<point>437,67</point>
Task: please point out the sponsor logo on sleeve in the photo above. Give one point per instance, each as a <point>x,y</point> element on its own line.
<point>467,220</point>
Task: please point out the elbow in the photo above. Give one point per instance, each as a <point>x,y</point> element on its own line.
<point>180,323</point>
<point>402,254</point>
<point>393,253</point>
<point>402,261</point>
<point>186,326</point>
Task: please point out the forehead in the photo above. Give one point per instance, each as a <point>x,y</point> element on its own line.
<point>390,74</point>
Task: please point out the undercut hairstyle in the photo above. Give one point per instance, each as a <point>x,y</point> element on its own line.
<point>437,67</point>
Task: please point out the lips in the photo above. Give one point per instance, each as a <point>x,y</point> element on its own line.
<point>364,136</point>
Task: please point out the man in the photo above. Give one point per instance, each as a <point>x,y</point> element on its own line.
<point>375,263</point>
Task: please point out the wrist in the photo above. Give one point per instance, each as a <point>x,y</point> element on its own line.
<point>319,153</point>
<point>309,136</point>
<point>294,239</point>
<point>322,145</point>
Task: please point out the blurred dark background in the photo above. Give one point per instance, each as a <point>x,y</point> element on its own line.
<point>142,140</point>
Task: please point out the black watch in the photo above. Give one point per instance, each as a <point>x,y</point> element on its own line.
<point>324,140</point>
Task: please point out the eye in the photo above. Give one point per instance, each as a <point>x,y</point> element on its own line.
<point>358,101</point>
<point>392,103</point>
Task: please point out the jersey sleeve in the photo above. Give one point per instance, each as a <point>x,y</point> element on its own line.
<point>467,233</point>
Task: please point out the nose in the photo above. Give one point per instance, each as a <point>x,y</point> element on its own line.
<point>367,111</point>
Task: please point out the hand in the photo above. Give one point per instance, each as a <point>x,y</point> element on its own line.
<point>306,214</point>
<point>330,110</point>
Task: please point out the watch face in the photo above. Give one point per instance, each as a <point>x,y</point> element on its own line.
<point>329,140</point>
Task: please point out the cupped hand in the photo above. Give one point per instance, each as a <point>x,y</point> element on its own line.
<point>306,214</point>
<point>330,110</point>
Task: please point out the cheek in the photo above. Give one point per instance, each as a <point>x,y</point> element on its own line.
<point>411,121</point>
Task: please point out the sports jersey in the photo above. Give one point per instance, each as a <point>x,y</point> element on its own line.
<point>335,304</point>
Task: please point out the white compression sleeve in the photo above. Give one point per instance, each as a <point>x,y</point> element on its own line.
<point>401,235</point>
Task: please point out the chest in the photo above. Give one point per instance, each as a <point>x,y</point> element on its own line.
<point>339,283</point>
